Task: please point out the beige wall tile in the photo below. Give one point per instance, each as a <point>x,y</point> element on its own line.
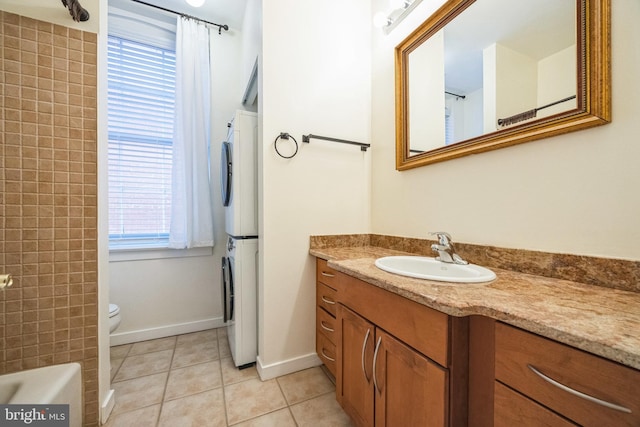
<point>36,245</point>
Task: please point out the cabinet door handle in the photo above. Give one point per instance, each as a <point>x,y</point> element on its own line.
<point>577,393</point>
<point>328,301</point>
<point>375,363</point>
<point>327,274</point>
<point>326,328</point>
<point>364,346</point>
<point>327,357</point>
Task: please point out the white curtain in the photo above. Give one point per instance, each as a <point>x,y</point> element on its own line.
<point>191,212</point>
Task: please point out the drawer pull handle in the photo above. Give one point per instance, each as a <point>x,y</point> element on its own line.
<point>327,357</point>
<point>328,301</point>
<point>326,328</point>
<point>364,346</point>
<point>327,274</point>
<point>579,393</point>
<point>375,362</point>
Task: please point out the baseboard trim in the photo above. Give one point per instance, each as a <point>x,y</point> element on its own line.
<point>285,367</point>
<point>107,406</point>
<point>165,331</point>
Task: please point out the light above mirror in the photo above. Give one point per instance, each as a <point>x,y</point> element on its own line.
<point>482,74</point>
<point>398,10</point>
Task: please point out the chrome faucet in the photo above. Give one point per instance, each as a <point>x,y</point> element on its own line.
<point>444,249</point>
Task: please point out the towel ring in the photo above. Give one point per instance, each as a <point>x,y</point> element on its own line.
<point>284,135</point>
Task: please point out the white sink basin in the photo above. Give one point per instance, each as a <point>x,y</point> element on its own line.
<point>433,269</point>
<point>57,384</point>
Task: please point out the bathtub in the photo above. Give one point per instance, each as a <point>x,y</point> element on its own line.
<point>56,384</point>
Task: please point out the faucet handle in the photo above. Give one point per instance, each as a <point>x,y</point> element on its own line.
<point>444,238</point>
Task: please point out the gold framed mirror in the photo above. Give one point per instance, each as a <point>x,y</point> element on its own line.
<point>480,75</point>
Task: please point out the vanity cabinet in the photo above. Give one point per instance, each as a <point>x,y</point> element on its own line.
<point>326,304</point>
<point>520,378</point>
<point>536,372</point>
<point>384,382</point>
<point>394,359</point>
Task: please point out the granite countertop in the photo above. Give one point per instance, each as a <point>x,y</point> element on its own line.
<point>602,321</point>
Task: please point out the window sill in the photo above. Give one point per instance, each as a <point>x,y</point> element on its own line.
<point>139,254</point>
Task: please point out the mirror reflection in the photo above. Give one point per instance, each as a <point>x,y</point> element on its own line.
<point>496,65</point>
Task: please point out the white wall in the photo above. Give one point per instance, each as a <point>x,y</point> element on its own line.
<point>575,193</point>
<point>473,116</point>
<point>176,295</point>
<point>517,80</point>
<point>252,36</point>
<point>427,95</point>
<point>556,81</point>
<point>315,79</point>
<point>490,88</point>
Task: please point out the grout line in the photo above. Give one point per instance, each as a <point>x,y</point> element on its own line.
<point>224,394</point>
<point>166,383</point>
<point>222,381</point>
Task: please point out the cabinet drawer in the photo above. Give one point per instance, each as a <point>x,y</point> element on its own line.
<point>326,352</point>
<point>421,327</point>
<point>326,324</point>
<point>513,409</point>
<point>326,298</point>
<point>531,364</point>
<point>326,274</point>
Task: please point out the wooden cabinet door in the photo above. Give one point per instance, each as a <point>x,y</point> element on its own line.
<point>354,388</point>
<point>410,389</point>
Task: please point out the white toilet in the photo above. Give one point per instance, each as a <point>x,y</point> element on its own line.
<point>114,317</point>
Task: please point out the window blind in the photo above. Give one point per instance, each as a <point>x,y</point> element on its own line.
<point>141,104</point>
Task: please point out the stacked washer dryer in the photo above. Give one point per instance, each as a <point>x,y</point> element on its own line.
<point>239,173</point>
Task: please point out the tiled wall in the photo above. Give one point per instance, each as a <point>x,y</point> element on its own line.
<point>48,206</point>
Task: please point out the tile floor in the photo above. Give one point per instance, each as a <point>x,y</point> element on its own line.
<point>190,380</point>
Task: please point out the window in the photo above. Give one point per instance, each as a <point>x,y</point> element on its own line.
<point>141,102</point>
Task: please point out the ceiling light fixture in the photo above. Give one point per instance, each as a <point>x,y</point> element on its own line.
<point>398,10</point>
<point>195,3</point>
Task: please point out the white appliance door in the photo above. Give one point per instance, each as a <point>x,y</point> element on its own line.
<point>228,290</point>
<point>241,308</point>
<point>226,173</point>
<point>239,169</point>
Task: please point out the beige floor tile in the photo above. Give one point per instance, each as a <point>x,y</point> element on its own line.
<point>152,346</point>
<point>225,350</point>
<point>193,379</point>
<point>280,418</point>
<point>222,332</point>
<point>305,385</point>
<point>232,375</point>
<point>144,364</point>
<point>139,392</point>
<point>199,410</point>
<point>187,354</point>
<point>322,411</point>
<point>120,351</point>
<point>115,365</point>
<point>145,417</point>
<point>188,373</point>
<point>197,337</point>
<point>252,398</point>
